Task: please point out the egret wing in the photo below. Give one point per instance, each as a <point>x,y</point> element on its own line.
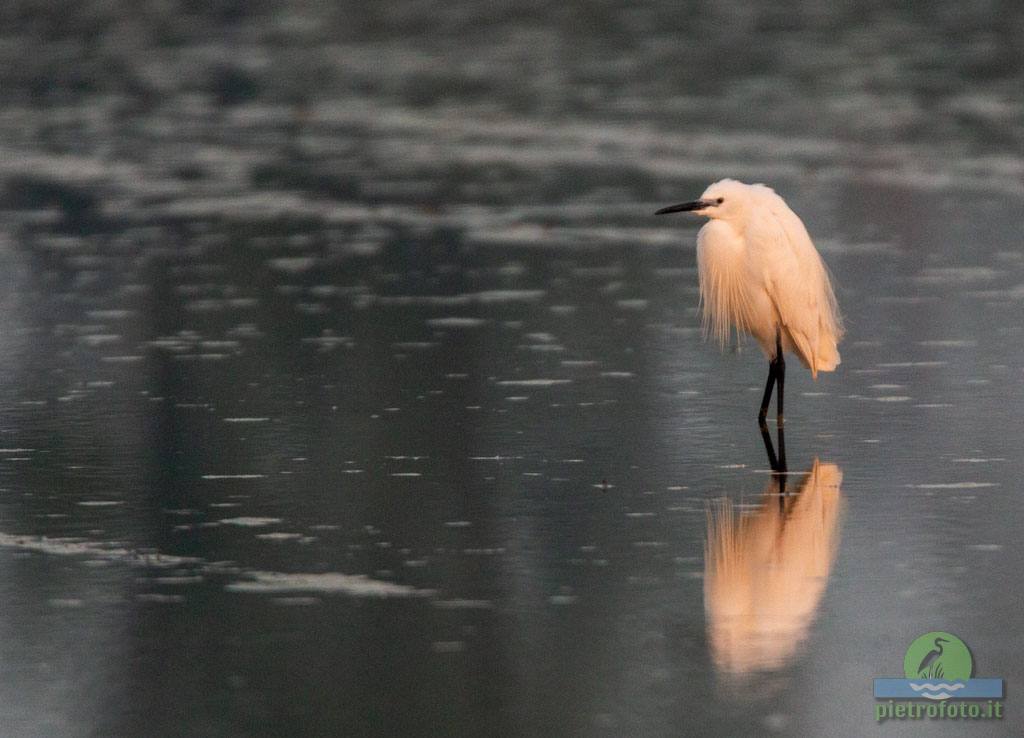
<point>796,281</point>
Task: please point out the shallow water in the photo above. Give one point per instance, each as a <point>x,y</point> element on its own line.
<point>349,386</point>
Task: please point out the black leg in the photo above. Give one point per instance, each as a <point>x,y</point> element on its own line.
<point>783,471</point>
<point>777,463</point>
<point>773,460</point>
<point>780,374</point>
<point>767,396</point>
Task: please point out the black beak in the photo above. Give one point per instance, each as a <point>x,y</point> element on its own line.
<point>685,207</point>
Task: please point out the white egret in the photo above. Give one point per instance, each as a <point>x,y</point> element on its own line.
<point>760,272</point>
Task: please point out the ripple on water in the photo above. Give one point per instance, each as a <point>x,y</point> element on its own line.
<point>250,522</point>
<point>356,585</point>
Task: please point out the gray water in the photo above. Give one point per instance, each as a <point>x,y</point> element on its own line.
<point>348,385</point>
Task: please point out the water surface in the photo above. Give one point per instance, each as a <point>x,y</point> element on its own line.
<point>349,386</point>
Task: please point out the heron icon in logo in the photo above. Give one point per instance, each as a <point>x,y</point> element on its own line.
<point>931,665</point>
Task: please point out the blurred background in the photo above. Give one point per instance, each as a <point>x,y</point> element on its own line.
<point>348,385</point>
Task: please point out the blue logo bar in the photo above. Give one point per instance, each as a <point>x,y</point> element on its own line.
<point>938,689</point>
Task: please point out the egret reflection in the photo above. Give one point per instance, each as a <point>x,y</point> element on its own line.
<point>765,571</point>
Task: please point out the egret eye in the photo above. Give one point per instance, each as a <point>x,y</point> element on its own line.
<point>720,200</point>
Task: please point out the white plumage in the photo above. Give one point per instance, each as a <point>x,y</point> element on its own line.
<point>760,273</point>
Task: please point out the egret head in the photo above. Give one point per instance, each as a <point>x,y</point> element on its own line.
<point>726,199</point>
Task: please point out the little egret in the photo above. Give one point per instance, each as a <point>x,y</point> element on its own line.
<point>760,272</point>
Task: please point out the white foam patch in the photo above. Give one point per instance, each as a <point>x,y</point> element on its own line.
<point>954,485</point>
<point>92,549</point>
<point>355,585</point>
<point>280,537</point>
<point>463,604</point>
<point>250,522</point>
<point>328,341</point>
<point>234,476</point>
<point>841,248</point>
<point>99,339</point>
<point>951,343</point>
<point>541,347</point>
<point>110,314</point>
<point>956,275</point>
<point>486,297</point>
<point>505,296</point>
<point>163,599</point>
<point>448,646</point>
<point>292,264</point>
<point>262,206</point>
<point>296,601</point>
<point>533,382</point>
<point>456,322</point>
<point>908,364</point>
<point>414,345</point>
<point>562,600</point>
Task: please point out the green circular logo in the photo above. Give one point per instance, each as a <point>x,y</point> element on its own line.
<point>938,655</point>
